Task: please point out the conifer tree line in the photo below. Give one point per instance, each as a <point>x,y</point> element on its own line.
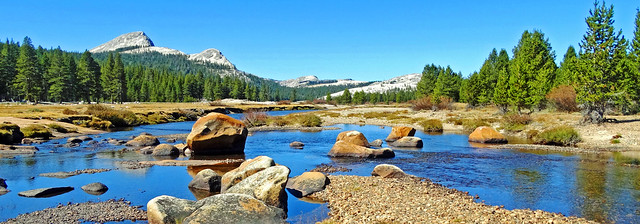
<point>360,97</point>
<point>604,72</point>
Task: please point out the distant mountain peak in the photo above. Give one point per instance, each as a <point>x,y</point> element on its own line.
<point>211,55</point>
<point>125,41</point>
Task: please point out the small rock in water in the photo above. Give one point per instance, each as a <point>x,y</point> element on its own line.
<point>296,145</point>
<point>376,143</point>
<point>206,179</point>
<point>407,142</point>
<point>147,150</point>
<point>165,150</point>
<point>96,188</point>
<point>171,140</point>
<point>307,183</point>
<point>45,192</point>
<point>85,138</point>
<point>74,140</point>
<point>3,186</point>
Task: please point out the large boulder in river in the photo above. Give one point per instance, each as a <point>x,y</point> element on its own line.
<point>388,171</point>
<point>399,132</point>
<point>217,133</point>
<point>235,208</point>
<point>353,137</point>
<point>345,149</point>
<point>165,150</point>
<point>307,183</point>
<point>3,186</point>
<point>167,209</point>
<point>267,185</point>
<point>143,140</point>
<point>246,169</point>
<point>407,142</point>
<point>96,188</point>
<point>484,134</point>
<point>207,180</point>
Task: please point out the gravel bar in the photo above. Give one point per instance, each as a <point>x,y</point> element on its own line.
<point>96,212</point>
<point>356,199</point>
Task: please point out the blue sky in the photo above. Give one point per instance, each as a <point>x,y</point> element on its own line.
<point>362,40</point>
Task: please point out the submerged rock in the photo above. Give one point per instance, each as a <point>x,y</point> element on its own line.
<point>345,149</point>
<point>399,132</point>
<point>217,133</point>
<point>296,145</point>
<point>484,134</point>
<point>45,192</point>
<point>207,180</point>
<point>407,142</point>
<point>246,169</point>
<point>235,208</point>
<point>307,183</point>
<point>267,185</point>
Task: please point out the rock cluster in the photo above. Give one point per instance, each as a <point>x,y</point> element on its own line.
<point>143,140</point>
<point>217,133</point>
<point>403,137</point>
<point>251,193</point>
<point>484,134</point>
<point>355,144</point>
<point>399,132</point>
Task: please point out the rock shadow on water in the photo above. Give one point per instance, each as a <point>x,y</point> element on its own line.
<point>201,194</point>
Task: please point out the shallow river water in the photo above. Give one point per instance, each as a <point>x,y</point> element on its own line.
<point>598,187</point>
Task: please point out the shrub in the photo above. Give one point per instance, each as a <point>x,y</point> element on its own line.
<point>118,118</point>
<point>444,103</point>
<point>10,133</point>
<point>310,120</point>
<point>59,128</point>
<point>431,125</point>
<point>255,118</point>
<point>35,110</point>
<point>97,123</point>
<point>532,134</point>
<point>422,104</point>
<point>563,98</point>
<point>563,136</point>
<point>470,125</point>
<point>156,119</point>
<point>68,111</point>
<point>279,121</point>
<point>515,122</point>
<point>36,131</point>
<point>455,120</point>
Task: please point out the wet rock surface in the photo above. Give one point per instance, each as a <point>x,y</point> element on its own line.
<point>45,192</point>
<point>63,174</point>
<point>96,212</point>
<point>407,142</point>
<point>165,150</point>
<point>143,140</point>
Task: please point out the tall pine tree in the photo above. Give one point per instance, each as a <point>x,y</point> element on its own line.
<point>27,81</point>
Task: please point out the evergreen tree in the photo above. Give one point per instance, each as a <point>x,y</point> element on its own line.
<point>346,97</point>
<point>292,97</point>
<point>27,82</point>
<point>109,80</point>
<point>488,76</point>
<point>427,82</point>
<point>597,81</point>
<point>8,72</point>
<point>121,79</point>
<point>500,94</point>
<point>567,70</point>
<point>532,71</point>
<point>328,97</point>
<point>447,85</point>
<point>56,76</point>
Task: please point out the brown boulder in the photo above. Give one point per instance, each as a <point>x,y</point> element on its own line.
<point>246,169</point>
<point>165,150</point>
<point>217,133</point>
<point>484,134</point>
<point>399,132</point>
<point>143,140</point>
<point>353,137</point>
<point>407,142</point>
<point>307,183</point>
<point>388,171</point>
<point>345,149</point>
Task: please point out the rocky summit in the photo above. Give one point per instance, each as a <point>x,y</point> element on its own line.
<point>131,40</point>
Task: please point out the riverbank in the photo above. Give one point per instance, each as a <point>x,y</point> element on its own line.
<point>356,199</point>
<point>595,138</point>
<point>96,212</point>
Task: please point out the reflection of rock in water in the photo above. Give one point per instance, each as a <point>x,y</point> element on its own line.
<point>314,216</point>
<point>201,194</point>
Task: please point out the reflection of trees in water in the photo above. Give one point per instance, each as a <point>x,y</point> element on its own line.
<point>528,185</point>
<point>591,180</point>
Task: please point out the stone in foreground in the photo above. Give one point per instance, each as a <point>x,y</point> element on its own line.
<point>45,192</point>
<point>407,142</point>
<point>96,188</point>
<point>217,134</point>
<point>388,171</point>
<point>246,169</point>
<point>143,140</point>
<point>307,183</point>
<point>484,134</point>
<point>399,132</point>
<point>207,180</point>
<point>167,209</point>
<point>267,185</point>
<point>235,208</point>
<point>344,149</point>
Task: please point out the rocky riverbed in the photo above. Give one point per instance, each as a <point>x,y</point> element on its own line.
<point>357,199</point>
<point>96,212</point>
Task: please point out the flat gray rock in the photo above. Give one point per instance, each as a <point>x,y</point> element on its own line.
<point>96,188</point>
<point>45,192</point>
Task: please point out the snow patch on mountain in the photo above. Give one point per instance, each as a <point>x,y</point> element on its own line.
<point>125,41</point>
<point>409,81</point>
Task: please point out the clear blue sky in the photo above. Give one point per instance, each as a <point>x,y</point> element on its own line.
<point>363,40</point>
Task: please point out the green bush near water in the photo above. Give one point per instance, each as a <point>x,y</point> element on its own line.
<point>431,125</point>
<point>36,131</point>
<point>118,118</point>
<point>562,136</point>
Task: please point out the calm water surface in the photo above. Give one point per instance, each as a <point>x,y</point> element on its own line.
<point>597,187</point>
